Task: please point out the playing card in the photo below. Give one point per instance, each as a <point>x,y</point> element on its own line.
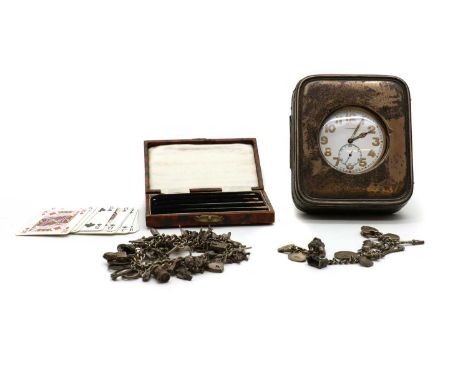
<point>135,227</point>
<point>117,219</point>
<point>97,222</point>
<point>128,223</point>
<point>53,222</point>
<point>88,212</point>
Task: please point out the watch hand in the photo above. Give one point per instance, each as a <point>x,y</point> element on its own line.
<point>349,156</point>
<point>357,128</point>
<point>362,135</point>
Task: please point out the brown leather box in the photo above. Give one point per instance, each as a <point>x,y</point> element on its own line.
<point>201,182</point>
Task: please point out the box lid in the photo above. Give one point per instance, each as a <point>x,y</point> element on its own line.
<point>182,166</point>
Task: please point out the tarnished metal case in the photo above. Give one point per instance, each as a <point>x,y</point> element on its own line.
<point>316,186</point>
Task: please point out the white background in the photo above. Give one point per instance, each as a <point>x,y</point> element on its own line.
<point>83,83</point>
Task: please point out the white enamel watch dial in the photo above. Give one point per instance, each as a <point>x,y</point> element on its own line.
<point>352,140</point>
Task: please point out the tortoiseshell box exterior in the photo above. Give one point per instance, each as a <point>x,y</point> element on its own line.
<point>207,218</point>
<point>317,187</point>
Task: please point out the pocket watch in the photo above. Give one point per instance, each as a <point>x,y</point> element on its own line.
<point>351,143</point>
<point>352,140</point>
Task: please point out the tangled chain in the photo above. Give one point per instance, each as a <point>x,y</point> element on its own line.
<point>157,256</point>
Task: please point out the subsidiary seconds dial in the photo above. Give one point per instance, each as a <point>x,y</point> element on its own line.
<point>352,140</point>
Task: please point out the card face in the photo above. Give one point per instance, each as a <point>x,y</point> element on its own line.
<point>135,227</point>
<point>88,212</point>
<point>53,222</point>
<point>128,223</point>
<point>117,219</point>
<point>97,222</point>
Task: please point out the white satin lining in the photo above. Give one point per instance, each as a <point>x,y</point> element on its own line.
<point>179,167</point>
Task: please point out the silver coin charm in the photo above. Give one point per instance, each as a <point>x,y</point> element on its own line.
<point>345,255</point>
<point>365,262</point>
<point>298,257</point>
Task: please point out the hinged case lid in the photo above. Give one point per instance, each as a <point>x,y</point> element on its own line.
<point>183,166</point>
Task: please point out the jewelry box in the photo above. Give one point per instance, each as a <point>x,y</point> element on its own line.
<point>204,182</point>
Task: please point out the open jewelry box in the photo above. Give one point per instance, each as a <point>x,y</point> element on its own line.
<point>201,182</point>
